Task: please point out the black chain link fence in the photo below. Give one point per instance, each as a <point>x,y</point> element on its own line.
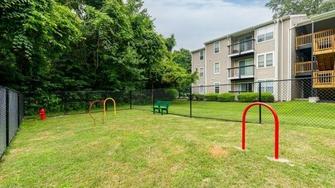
<point>11,115</point>
<point>300,101</point>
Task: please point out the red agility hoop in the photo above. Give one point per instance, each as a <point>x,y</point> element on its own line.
<point>276,119</point>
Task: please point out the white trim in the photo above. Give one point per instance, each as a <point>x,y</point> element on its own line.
<point>203,72</point>
<point>271,40</point>
<point>205,90</point>
<point>263,31</point>
<point>214,68</point>
<point>201,60</point>
<point>265,65</point>
<point>216,84</point>
<point>219,42</point>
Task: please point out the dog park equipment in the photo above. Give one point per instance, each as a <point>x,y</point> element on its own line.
<point>105,109</point>
<point>43,115</point>
<point>276,119</point>
<point>103,102</point>
<point>161,106</point>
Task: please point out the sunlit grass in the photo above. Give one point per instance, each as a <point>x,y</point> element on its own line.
<point>139,149</point>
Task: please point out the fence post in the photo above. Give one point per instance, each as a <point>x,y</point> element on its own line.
<point>130,100</point>
<point>260,100</point>
<point>152,97</point>
<point>7,117</point>
<point>191,99</point>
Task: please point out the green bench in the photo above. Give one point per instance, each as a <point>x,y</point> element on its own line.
<point>161,107</point>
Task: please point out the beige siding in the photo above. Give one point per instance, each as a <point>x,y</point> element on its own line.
<point>224,61</point>
<point>197,64</point>
<point>282,46</point>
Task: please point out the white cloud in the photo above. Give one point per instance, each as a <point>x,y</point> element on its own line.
<point>195,21</point>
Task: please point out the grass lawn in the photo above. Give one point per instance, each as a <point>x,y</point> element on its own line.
<point>294,112</point>
<point>139,149</point>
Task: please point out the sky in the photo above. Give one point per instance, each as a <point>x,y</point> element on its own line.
<point>194,22</point>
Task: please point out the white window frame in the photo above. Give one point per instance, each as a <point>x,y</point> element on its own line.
<point>202,89</point>
<point>264,85</point>
<point>201,70</point>
<point>219,44</point>
<point>219,69</point>
<point>266,59</point>
<point>216,84</point>
<point>265,65</point>
<point>203,55</point>
<point>264,31</point>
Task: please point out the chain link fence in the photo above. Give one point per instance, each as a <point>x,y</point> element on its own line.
<point>11,115</point>
<point>300,101</point>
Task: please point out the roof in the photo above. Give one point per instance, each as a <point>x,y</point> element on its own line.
<point>252,28</point>
<point>318,18</point>
<point>197,50</point>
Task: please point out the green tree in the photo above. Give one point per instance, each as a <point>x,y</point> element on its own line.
<point>183,57</point>
<point>309,7</point>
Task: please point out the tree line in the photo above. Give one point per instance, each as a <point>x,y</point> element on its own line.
<point>70,45</point>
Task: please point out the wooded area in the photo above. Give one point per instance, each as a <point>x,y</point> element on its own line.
<point>69,45</point>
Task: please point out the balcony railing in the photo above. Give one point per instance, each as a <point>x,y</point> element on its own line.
<point>242,47</point>
<point>303,67</point>
<point>304,40</point>
<point>241,72</point>
<point>324,79</point>
<point>324,42</point>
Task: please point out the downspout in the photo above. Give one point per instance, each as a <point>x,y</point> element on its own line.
<point>205,70</point>
<point>276,56</point>
<point>289,93</point>
<point>282,56</point>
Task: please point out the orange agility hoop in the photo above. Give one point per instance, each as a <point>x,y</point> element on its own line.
<point>276,119</point>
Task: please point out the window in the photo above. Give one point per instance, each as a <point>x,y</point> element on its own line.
<point>217,87</point>
<point>216,68</point>
<point>201,73</point>
<point>202,54</point>
<point>269,36</point>
<point>202,89</point>
<point>265,34</point>
<point>216,47</point>
<point>260,61</point>
<point>267,86</point>
<point>265,60</point>
<point>269,59</point>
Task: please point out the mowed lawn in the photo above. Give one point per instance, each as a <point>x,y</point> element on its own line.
<point>293,112</point>
<point>138,149</point>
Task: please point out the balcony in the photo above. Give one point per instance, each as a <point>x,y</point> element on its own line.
<point>242,48</point>
<point>304,41</point>
<point>323,42</point>
<point>324,79</point>
<point>302,68</point>
<point>242,72</point>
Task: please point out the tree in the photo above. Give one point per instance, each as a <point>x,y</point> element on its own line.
<point>183,57</point>
<point>170,43</point>
<point>309,7</point>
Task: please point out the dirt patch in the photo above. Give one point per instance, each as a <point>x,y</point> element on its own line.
<point>218,151</point>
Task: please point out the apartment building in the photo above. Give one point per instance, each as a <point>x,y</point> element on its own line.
<point>285,48</point>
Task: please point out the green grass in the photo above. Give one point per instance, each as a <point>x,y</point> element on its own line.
<point>294,112</point>
<point>139,149</point>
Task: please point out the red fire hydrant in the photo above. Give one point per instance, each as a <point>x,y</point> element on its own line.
<point>43,114</point>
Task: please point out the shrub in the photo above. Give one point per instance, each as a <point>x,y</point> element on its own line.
<point>198,97</point>
<point>226,97</point>
<point>253,97</point>
<point>211,97</point>
<point>170,94</point>
<point>268,97</point>
<point>247,97</point>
